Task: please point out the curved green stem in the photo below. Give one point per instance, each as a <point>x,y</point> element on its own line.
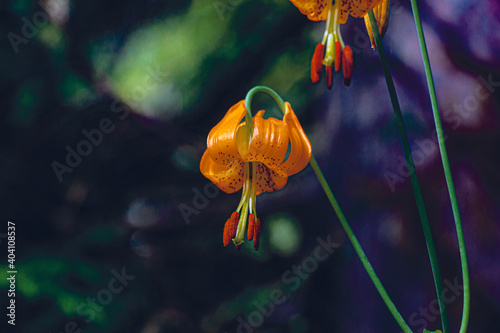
<point>413,175</point>
<point>357,247</point>
<point>262,89</point>
<point>446,166</point>
<point>248,105</point>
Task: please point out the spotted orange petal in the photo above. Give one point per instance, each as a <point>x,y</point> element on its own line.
<point>269,142</point>
<point>357,8</point>
<point>267,180</point>
<point>229,178</point>
<point>316,10</point>
<point>221,141</point>
<point>300,150</point>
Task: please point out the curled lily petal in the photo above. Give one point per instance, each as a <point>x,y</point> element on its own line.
<point>300,150</point>
<point>221,141</point>
<point>269,142</point>
<point>382,14</point>
<point>229,178</point>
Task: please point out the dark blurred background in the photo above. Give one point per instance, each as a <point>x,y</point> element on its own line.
<point>106,106</point>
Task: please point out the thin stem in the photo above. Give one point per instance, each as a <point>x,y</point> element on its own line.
<point>248,105</point>
<point>446,166</point>
<point>413,175</point>
<point>357,247</point>
<point>268,91</point>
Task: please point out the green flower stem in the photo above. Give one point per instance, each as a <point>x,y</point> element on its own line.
<point>446,166</point>
<point>357,247</point>
<point>413,176</point>
<point>262,89</point>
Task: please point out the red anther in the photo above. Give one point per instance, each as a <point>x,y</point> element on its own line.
<point>256,236</point>
<point>338,55</point>
<point>230,228</point>
<point>317,62</point>
<point>319,54</point>
<point>347,64</point>
<point>251,220</point>
<point>329,77</point>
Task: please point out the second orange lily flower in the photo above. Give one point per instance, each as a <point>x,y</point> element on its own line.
<point>332,51</point>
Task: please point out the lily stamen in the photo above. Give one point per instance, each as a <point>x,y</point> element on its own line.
<point>317,62</point>
<point>256,234</point>
<point>333,44</point>
<point>230,228</point>
<point>251,222</point>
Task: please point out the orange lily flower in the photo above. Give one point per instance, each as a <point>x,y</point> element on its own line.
<point>237,157</point>
<point>332,51</point>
